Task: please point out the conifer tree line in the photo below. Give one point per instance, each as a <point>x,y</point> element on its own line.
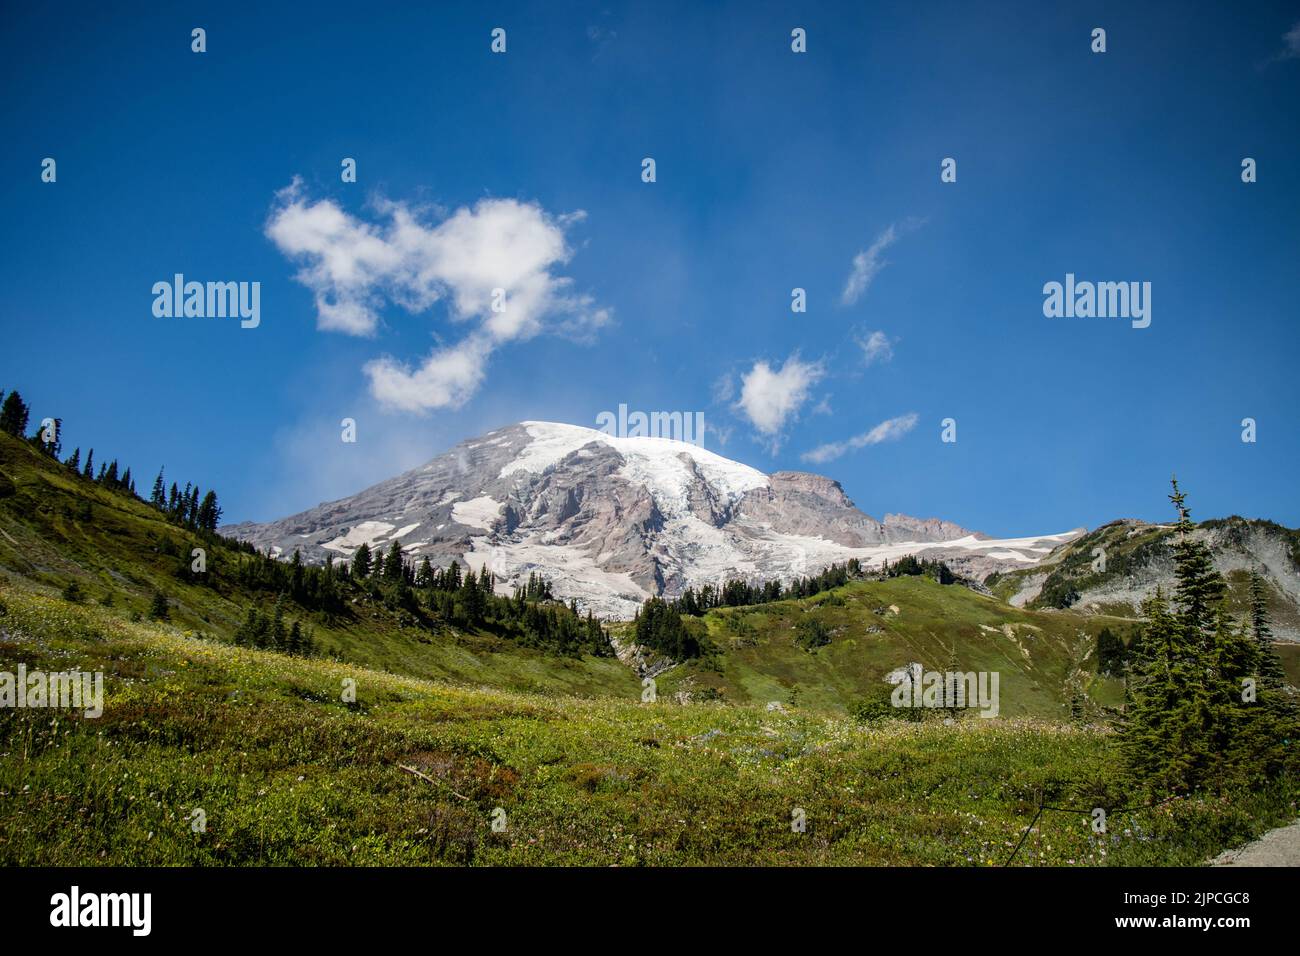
<point>269,633</point>
<point>911,566</point>
<point>531,616</point>
<point>737,592</point>
<point>658,624</point>
<point>432,596</point>
<point>1207,703</point>
<point>189,507</point>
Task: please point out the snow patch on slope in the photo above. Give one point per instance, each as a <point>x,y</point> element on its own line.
<point>477,512</point>
<point>367,532</point>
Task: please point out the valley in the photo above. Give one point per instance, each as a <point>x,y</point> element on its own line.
<point>410,730</point>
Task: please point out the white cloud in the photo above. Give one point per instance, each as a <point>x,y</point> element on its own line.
<point>354,268</point>
<point>866,266</point>
<point>769,398</point>
<point>448,378</point>
<point>890,430</point>
<point>876,347</point>
<point>868,263</point>
<point>1290,48</point>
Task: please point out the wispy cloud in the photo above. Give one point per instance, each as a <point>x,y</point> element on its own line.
<point>770,398</point>
<point>890,430</point>
<point>354,268</point>
<point>601,37</point>
<point>876,347</point>
<point>1291,39</point>
<point>1290,48</point>
<point>868,263</point>
<point>866,266</point>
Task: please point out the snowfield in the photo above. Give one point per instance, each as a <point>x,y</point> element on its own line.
<point>478,512</point>
<point>568,488</point>
<point>654,463</point>
<point>367,532</point>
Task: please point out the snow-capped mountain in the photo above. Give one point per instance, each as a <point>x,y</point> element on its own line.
<point>612,521</point>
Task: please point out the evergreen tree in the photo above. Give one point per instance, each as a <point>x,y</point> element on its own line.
<point>74,463</point>
<point>51,441</point>
<point>278,635</point>
<point>1268,667</point>
<point>1200,588</point>
<point>393,563</point>
<point>361,562</point>
<point>158,608</point>
<point>1190,723</point>
<point>158,497</point>
<point>90,465</point>
<point>208,513</point>
<point>1274,726</point>
<point>1110,654</point>
<point>191,517</point>
<point>14,414</point>
<point>246,635</point>
<point>470,599</point>
<point>308,643</point>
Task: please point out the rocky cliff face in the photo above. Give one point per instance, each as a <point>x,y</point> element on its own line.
<point>612,521</point>
<point>1119,565</point>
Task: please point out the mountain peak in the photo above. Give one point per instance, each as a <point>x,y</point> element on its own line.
<point>612,520</point>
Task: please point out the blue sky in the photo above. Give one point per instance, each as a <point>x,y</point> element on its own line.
<point>774,171</point>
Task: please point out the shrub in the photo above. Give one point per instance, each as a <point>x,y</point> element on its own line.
<point>874,708</point>
<point>810,633</point>
<point>158,609</point>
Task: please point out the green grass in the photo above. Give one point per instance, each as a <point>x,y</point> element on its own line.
<point>1040,655</point>
<point>121,551</point>
<point>287,773</point>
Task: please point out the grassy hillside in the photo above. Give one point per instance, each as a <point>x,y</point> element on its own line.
<point>878,626</point>
<point>263,751</point>
<point>451,725</point>
<point>56,528</point>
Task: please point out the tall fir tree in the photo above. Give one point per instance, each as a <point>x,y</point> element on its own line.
<point>361,562</point>
<point>208,513</point>
<point>14,414</point>
<point>393,563</point>
<point>1191,721</point>
<point>158,497</point>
